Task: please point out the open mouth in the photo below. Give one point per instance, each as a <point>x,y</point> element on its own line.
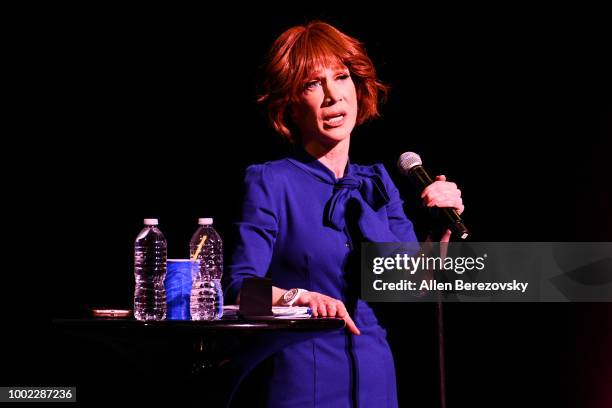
<point>334,120</point>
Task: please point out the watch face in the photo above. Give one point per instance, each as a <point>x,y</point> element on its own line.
<point>289,295</point>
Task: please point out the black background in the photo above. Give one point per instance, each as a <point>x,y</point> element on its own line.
<point>155,116</point>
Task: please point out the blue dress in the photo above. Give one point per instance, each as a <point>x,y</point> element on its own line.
<point>296,229</point>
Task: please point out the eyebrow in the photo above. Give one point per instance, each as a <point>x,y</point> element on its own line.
<point>319,74</point>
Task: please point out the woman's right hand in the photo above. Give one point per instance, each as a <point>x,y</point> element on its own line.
<point>325,306</point>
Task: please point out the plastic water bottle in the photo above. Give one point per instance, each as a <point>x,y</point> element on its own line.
<point>150,253</point>
<point>206,294</point>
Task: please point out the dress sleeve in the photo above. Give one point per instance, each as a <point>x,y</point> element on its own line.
<point>399,224</point>
<point>255,231</point>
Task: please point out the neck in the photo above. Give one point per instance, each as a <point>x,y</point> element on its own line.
<point>334,157</point>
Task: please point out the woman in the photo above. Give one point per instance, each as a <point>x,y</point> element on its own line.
<point>303,215</point>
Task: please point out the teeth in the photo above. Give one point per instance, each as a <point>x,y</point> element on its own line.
<point>336,118</point>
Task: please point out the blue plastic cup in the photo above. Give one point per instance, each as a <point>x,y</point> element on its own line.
<point>178,287</point>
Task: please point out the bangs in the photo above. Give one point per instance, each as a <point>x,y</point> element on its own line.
<point>313,53</point>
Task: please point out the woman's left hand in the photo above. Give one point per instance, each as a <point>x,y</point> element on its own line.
<point>442,193</point>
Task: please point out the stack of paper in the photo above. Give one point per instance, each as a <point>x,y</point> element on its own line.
<point>291,312</point>
<point>280,312</point>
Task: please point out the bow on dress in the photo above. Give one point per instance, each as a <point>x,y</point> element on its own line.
<point>371,191</point>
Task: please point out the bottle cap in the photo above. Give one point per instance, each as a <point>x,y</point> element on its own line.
<point>205,221</point>
<point>150,221</point>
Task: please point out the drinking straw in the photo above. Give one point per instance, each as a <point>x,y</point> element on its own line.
<point>199,248</point>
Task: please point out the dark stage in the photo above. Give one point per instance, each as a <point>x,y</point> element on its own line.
<point>157,117</point>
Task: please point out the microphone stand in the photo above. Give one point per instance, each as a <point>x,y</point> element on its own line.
<point>440,332</point>
<point>441,362</point>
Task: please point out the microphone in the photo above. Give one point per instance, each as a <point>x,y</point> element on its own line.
<point>410,164</point>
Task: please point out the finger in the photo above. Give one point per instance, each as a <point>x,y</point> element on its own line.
<point>433,188</point>
<point>426,191</point>
<point>350,324</point>
<point>432,195</point>
<point>458,205</point>
<point>343,314</point>
<point>438,200</point>
<point>452,199</point>
<point>454,204</point>
<point>314,308</point>
<point>341,310</point>
<point>331,310</point>
<point>322,310</point>
<point>446,199</point>
<point>439,187</point>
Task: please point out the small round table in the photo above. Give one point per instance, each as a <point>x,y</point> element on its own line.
<point>212,356</point>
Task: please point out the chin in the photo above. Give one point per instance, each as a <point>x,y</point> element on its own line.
<point>337,134</point>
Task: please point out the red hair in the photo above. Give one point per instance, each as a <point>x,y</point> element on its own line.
<point>302,50</point>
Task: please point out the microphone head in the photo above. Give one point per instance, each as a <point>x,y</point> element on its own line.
<point>407,161</point>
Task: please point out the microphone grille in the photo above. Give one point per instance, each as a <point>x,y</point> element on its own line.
<point>407,161</point>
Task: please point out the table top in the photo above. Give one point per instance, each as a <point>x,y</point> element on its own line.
<point>225,324</point>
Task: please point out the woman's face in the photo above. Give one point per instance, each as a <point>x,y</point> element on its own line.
<point>326,110</point>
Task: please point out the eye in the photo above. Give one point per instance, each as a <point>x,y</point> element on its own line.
<point>343,76</point>
<point>312,84</point>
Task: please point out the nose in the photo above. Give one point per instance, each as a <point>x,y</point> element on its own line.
<point>332,93</point>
